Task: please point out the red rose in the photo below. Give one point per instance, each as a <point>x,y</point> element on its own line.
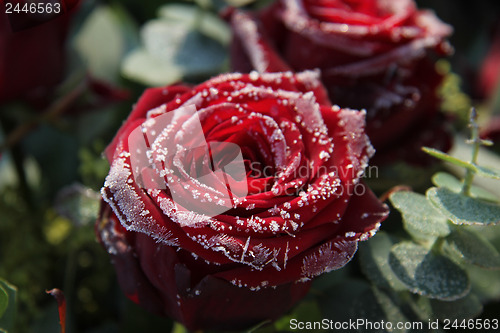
<point>373,55</point>
<point>489,73</point>
<point>224,200</point>
<point>31,60</point>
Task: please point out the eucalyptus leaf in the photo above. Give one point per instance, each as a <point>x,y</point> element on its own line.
<point>140,66</point>
<point>443,179</point>
<point>428,274</point>
<point>106,35</point>
<point>464,308</point>
<point>447,158</point>
<point>488,172</point>
<point>472,248</point>
<point>179,45</point>
<point>419,216</point>
<point>211,25</point>
<point>461,209</point>
<point>485,283</point>
<point>374,260</point>
<point>7,310</point>
<point>480,170</point>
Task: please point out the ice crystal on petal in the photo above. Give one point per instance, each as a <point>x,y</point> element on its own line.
<point>328,257</point>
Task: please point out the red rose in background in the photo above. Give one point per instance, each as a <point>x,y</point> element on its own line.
<point>489,73</point>
<point>374,55</point>
<point>31,60</point>
<point>296,210</point>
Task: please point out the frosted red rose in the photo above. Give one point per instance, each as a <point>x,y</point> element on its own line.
<point>376,55</point>
<point>183,249</point>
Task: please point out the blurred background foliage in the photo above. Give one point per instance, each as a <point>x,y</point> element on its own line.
<point>52,168</point>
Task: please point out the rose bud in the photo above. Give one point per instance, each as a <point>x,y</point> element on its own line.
<point>374,55</point>
<point>225,200</point>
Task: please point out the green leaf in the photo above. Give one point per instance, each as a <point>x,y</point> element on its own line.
<point>472,249</point>
<point>106,35</point>
<point>488,172</point>
<point>461,209</point>
<point>141,66</point>
<point>376,306</point>
<point>374,260</point>
<point>447,158</point>
<point>443,179</point>
<point>184,43</point>
<point>485,283</point>
<point>428,274</point>
<point>419,216</point>
<point>480,170</point>
<point>465,308</point>
<point>8,305</point>
<point>211,25</point>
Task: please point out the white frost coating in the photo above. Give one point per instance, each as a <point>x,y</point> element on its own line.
<point>240,249</point>
<point>328,257</point>
<point>308,109</point>
<point>309,78</point>
<point>359,148</point>
<point>247,31</point>
<point>163,144</point>
<point>128,206</point>
<point>256,256</point>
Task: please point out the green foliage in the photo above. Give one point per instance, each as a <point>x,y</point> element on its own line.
<point>442,259</point>
<point>374,257</point>
<point>420,218</point>
<point>471,248</point>
<point>454,100</point>
<point>185,42</point>
<point>480,170</point>
<point>463,308</point>
<point>104,38</point>
<point>443,179</point>
<point>426,273</point>
<point>461,209</point>
<point>376,306</point>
